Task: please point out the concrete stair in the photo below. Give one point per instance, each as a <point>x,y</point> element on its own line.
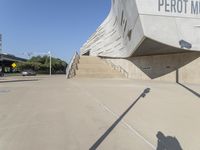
<point>94,67</point>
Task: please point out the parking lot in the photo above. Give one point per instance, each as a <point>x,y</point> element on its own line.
<point>53,113</point>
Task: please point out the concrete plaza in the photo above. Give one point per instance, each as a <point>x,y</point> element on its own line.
<point>53,113</point>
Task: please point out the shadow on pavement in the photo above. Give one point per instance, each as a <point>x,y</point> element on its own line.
<point>167,142</point>
<point>192,91</point>
<point>8,81</point>
<point>187,88</point>
<point>109,130</point>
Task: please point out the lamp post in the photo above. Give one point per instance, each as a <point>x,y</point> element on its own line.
<point>1,58</point>
<point>49,62</point>
<point>0,43</point>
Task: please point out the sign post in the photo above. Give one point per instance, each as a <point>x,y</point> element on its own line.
<point>14,65</point>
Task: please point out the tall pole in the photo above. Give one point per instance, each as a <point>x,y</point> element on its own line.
<point>2,62</point>
<point>1,44</point>
<point>50,63</point>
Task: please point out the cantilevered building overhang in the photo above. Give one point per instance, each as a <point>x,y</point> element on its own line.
<point>6,60</point>
<point>147,27</point>
<point>11,58</point>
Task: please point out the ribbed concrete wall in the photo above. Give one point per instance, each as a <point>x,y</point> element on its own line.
<point>182,67</point>
<point>153,38</point>
<point>147,27</point>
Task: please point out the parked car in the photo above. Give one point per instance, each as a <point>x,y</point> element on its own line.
<point>28,73</point>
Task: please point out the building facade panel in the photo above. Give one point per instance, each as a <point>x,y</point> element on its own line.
<point>174,24</point>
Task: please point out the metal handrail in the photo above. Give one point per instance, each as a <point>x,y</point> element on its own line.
<point>73,66</point>
<point>117,67</point>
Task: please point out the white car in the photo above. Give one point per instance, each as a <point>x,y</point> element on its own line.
<point>28,73</point>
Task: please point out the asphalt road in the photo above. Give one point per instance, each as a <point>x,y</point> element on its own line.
<point>53,113</point>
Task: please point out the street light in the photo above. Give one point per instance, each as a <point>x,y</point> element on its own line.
<point>49,62</point>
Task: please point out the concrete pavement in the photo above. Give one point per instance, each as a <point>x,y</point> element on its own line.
<point>53,113</point>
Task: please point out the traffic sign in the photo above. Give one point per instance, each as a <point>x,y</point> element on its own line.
<point>14,65</point>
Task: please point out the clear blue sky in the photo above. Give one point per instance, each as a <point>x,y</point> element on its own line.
<point>61,26</point>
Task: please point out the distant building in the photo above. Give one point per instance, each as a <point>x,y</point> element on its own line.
<point>6,61</point>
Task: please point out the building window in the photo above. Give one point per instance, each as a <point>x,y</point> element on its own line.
<point>129,34</point>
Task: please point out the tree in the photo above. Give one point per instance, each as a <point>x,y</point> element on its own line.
<point>40,64</point>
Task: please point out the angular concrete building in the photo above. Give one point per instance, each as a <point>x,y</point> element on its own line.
<point>150,39</point>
